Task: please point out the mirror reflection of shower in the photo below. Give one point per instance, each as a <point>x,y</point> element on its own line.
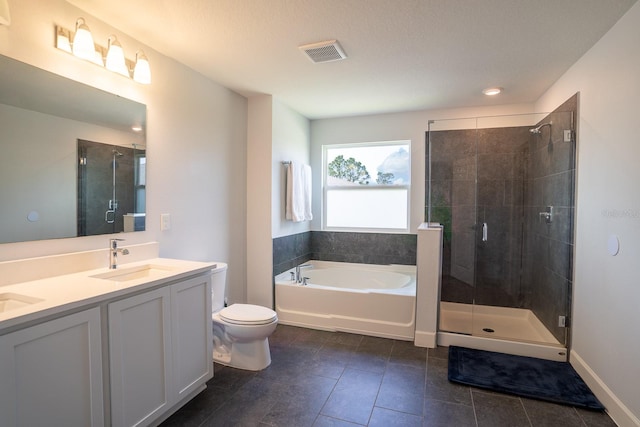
<point>111,188</point>
<point>110,214</point>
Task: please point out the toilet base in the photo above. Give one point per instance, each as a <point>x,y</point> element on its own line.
<point>250,356</point>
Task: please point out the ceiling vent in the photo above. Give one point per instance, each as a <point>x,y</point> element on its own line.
<point>327,51</point>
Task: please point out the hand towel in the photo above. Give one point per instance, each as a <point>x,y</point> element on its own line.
<point>298,203</point>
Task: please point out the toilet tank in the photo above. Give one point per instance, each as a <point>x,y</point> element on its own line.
<point>218,286</point>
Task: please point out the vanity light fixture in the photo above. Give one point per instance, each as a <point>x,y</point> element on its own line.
<point>80,44</point>
<point>83,46</point>
<point>115,57</point>
<point>492,91</point>
<point>142,71</point>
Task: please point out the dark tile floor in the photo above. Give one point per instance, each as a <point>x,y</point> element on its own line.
<point>320,379</point>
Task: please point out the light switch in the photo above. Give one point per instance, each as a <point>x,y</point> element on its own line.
<point>165,221</point>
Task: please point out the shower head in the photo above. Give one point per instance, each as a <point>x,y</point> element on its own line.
<point>116,153</point>
<point>538,130</point>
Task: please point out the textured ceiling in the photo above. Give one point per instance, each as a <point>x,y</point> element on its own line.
<point>402,54</point>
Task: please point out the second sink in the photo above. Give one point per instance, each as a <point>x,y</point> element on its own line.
<point>11,301</point>
<point>134,273</point>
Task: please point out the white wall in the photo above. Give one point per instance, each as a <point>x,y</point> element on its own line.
<point>291,142</point>
<point>275,133</point>
<point>389,127</point>
<point>606,294</point>
<point>196,138</point>
<point>258,193</point>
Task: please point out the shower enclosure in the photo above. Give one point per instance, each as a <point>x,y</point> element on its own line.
<point>503,189</point>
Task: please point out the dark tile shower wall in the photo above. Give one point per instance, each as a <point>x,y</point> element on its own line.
<point>453,173</point>
<point>502,154</point>
<point>477,177</point>
<point>366,248</point>
<point>548,248</point>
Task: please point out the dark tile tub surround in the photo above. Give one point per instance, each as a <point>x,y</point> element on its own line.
<point>366,248</point>
<point>289,251</point>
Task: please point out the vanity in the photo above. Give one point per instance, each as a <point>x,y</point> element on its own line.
<point>88,345</point>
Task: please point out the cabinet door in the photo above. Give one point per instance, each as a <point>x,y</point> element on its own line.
<point>140,357</point>
<point>191,334</point>
<point>51,373</point>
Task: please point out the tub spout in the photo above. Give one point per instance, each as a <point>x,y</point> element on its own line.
<point>298,267</point>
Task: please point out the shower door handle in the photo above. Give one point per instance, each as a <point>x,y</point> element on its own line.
<point>485,230</point>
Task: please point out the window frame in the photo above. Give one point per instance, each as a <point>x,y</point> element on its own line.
<point>327,188</point>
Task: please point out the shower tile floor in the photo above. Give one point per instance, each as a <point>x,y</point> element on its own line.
<point>320,378</point>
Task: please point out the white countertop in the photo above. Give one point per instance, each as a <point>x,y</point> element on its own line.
<point>73,291</point>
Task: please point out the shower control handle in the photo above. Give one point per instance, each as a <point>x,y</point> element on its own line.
<point>110,216</point>
<point>547,215</point>
<point>485,230</point>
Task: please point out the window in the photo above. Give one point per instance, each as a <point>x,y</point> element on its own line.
<point>366,186</point>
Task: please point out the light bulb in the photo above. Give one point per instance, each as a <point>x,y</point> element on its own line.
<point>142,71</point>
<point>83,46</point>
<point>115,57</point>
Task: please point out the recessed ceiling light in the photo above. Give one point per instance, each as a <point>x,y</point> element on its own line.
<point>492,91</point>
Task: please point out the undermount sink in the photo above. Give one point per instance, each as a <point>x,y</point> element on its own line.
<point>11,301</point>
<point>134,273</point>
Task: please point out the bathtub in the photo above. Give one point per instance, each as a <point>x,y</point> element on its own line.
<point>376,300</point>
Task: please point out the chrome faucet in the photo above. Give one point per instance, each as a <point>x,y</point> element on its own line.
<point>298,267</point>
<point>113,253</point>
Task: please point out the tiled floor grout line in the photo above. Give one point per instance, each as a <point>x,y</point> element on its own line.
<point>473,406</point>
<point>526,413</point>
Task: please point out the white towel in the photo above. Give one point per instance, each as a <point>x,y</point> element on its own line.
<point>298,204</point>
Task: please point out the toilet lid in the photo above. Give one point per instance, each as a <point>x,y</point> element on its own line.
<point>247,314</point>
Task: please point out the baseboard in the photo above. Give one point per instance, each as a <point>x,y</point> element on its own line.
<point>617,410</point>
<point>425,339</point>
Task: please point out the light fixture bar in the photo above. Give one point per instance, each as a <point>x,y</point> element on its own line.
<point>111,58</point>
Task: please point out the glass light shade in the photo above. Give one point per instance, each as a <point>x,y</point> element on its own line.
<point>5,16</point>
<point>83,46</point>
<point>142,70</point>
<point>62,40</point>
<point>115,57</point>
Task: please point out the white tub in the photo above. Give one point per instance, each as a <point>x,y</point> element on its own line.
<point>376,300</point>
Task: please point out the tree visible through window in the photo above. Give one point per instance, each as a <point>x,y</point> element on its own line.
<point>353,199</point>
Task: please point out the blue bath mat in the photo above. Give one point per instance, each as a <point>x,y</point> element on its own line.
<point>523,376</point>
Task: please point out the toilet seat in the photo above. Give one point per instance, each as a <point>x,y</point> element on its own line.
<point>248,314</point>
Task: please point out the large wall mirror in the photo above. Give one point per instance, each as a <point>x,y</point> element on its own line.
<point>72,157</point>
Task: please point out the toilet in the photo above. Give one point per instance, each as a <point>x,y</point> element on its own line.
<point>240,331</point>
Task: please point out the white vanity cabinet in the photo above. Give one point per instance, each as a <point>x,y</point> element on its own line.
<point>51,373</point>
<point>160,348</point>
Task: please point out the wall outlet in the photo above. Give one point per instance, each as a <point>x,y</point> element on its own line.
<point>165,222</point>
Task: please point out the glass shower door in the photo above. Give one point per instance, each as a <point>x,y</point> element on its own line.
<point>493,182</point>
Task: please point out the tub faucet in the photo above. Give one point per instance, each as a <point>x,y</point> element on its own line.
<point>298,267</point>
<point>113,253</point>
